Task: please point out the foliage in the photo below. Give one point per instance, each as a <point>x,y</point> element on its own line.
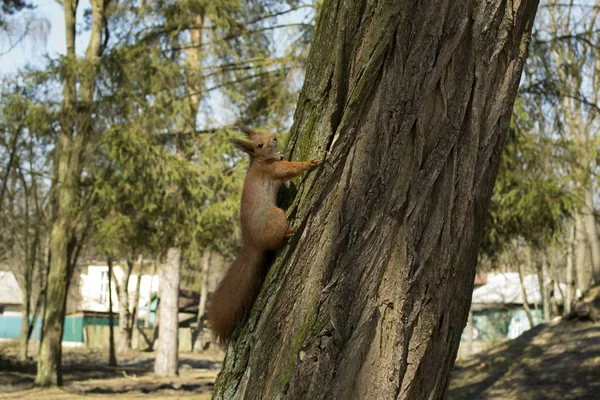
<point>155,171</point>
<point>533,197</point>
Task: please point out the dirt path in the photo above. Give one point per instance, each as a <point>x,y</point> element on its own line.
<point>86,373</point>
<point>558,361</point>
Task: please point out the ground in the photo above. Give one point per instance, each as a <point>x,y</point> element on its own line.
<point>86,373</point>
<point>555,361</point>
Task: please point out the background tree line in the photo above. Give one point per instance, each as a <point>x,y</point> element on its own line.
<point>112,151</point>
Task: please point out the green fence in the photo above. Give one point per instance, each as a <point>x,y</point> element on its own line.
<point>10,328</point>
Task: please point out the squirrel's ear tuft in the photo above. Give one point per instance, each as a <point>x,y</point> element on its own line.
<point>245,130</point>
<point>243,145</point>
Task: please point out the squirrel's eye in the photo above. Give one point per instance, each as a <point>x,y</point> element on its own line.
<point>260,145</point>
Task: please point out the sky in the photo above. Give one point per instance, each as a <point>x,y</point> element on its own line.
<point>31,50</point>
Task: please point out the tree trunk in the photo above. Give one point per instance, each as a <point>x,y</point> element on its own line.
<point>136,298</point>
<point>544,289</point>
<point>27,292</point>
<point>112,359</point>
<point>156,325</point>
<point>470,333</point>
<point>568,299</point>
<point>124,342</point>
<point>408,105</point>
<point>591,231</point>
<point>36,312</point>
<point>150,288</point>
<point>9,164</point>
<point>540,270</point>
<point>24,338</point>
<point>199,341</point>
<point>526,306</point>
<point>75,130</point>
<point>583,269</point>
<point>166,354</point>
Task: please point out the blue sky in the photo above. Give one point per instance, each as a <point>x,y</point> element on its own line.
<point>32,50</point>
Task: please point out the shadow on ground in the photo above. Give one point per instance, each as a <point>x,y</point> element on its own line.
<point>559,361</point>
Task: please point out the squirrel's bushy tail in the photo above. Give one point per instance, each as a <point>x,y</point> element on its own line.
<point>236,292</point>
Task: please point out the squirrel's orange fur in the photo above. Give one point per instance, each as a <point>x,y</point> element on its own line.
<point>264,228</point>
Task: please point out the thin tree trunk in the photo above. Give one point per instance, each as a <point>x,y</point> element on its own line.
<point>36,312</point>
<point>112,359</point>
<point>167,352</point>
<point>526,306</point>
<point>123,341</point>
<point>150,288</point>
<point>591,231</point>
<point>470,333</point>
<point>29,259</point>
<point>44,291</point>
<point>194,77</point>
<point>29,270</point>
<point>136,299</point>
<point>408,106</point>
<point>583,269</point>
<point>156,325</point>
<point>75,129</point>
<point>199,340</point>
<point>546,303</point>
<point>568,299</point>
<point>9,164</point>
<point>532,268</point>
<point>24,338</point>
<point>541,277</point>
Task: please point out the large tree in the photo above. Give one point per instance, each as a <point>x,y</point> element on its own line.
<point>408,105</point>
<point>76,131</point>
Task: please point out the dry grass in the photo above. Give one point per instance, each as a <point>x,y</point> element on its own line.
<point>87,374</point>
<point>62,394</point>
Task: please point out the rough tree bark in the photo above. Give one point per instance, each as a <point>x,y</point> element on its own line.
<point>408,105</point>
<point>75,131</point>
<point>166,353</point>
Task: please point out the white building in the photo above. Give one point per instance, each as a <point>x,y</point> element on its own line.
<point>11,297</point>
<point>93,281</point>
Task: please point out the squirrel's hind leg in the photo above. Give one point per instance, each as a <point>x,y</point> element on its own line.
<point>276,230</point>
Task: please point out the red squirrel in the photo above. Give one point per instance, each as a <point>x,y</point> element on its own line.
<point>264,228</point>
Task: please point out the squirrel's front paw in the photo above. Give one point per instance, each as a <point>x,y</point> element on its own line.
<point>314,162</point>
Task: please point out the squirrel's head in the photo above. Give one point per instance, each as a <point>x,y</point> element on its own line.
<point>259,146</point>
